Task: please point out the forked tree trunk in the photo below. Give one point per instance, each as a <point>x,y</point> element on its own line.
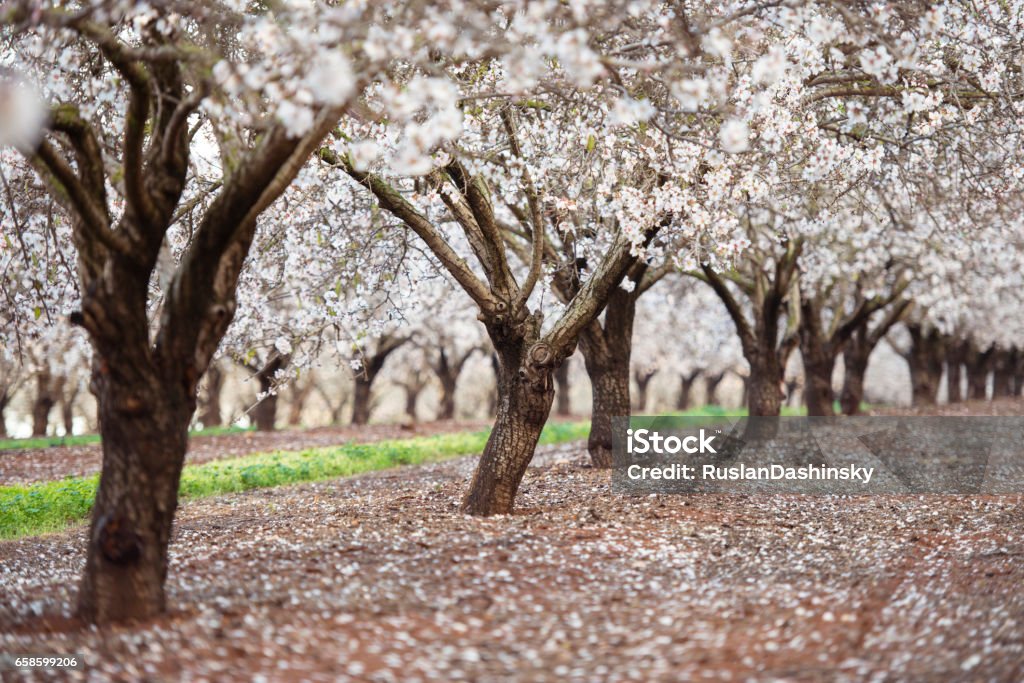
<point>209,412</point>
<point>448,367</point>
<point>686,382</point>
<point>818,392</point>
<point>643,381</point>
<point>955,354</point>
<point>606,350</point>
<point>526,392</point>
<point>563,405</point>
<point>412,390</point>
<point>711,383</point>
<point>301,389</point>
<point>925,359</point>
<point>144,428</point>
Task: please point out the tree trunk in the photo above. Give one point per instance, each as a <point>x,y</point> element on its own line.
<point>210,415</point>
<point>818,392</point>
<point>925,359</point>
<point>606,350</point>
<point>818,350</point>
<point>977,366</point>
<point>855,366</point>
<point>563,404</point>
<point>67,411</point>
<point>711,383</point>
<point>46,398</point>
<point>446,410</point>
<point>955,353</point>
<point>764,395</point>
<point>1003,366</point>
<point>4,400</point>
<point>686,382</point>
<point>361,398</point>
<point>412,397</point>
<point>526,392</point>
<point>144,428</point>
<point>265,412</point>
<point>643,381</point>
<point>609,381</point>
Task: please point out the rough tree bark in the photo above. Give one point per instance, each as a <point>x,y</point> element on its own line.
<point>209,410</point>
<point>925,357</point>
<point>146,387</point>
<point>686,382</point>
<point>563,401</point>
<point>372,363</point>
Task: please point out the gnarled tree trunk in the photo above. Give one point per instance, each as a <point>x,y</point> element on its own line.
<point>144,427</point>
<point>764,393</point>
<point>526,392</point>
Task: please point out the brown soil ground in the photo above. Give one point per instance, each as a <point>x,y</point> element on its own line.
<point>379,578</point>
<point>24,466</point>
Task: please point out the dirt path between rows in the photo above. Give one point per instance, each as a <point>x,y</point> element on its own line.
<point>380,578</point>
<point>25,466</point>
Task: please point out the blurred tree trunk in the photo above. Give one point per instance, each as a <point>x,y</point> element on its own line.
<point>563,404</point>
<point>48,391</point>
<point>711,383</point>
<point>643,381</point>
<point>1004,363</point>
<point>299,392</point>
<point>67,407</point>
<point>373,363</point>
<point>448,367</point>
<point>925,358</point>
<point>955,354</point>
<point>978,364</point>
<point>686,382</point>
<point>264,415</point>
<point>209,409</point>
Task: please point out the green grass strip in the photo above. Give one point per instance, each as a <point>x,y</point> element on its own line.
<point>87,439</point>
<point>28,510</point>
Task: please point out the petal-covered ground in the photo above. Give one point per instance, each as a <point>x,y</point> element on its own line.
<point>380,578</point>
